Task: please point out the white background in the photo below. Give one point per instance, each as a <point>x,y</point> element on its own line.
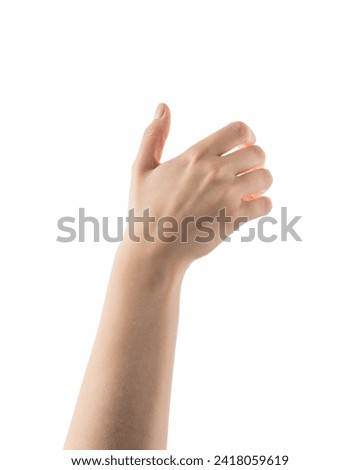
<point>268,348</point>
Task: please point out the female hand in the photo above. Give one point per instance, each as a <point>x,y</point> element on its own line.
<point>188,205</point>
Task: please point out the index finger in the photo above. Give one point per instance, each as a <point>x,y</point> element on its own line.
<point>234,134</point>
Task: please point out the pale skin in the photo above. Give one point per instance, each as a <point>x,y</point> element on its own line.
<point>125,396</point>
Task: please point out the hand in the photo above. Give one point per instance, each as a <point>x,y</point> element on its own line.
<point>124,399</point>
<point>199,183</point>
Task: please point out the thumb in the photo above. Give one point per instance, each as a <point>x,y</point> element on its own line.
<point>153,141</point>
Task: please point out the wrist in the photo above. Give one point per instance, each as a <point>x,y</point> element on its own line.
<point>151,262</point>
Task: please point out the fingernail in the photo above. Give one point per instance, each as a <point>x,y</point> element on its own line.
<point>159,111</point>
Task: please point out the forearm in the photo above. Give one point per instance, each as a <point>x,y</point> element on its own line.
<point>124,399</point>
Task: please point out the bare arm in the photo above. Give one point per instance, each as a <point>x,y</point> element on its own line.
<point>124,399</point>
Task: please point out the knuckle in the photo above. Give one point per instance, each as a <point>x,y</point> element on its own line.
<point>154,131</point>
<point>213,172</point>
<point>267,205</point>
<point>240,128</point>
<point>194,154</point>
<point>266,178</point>
<point>260,154</point>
